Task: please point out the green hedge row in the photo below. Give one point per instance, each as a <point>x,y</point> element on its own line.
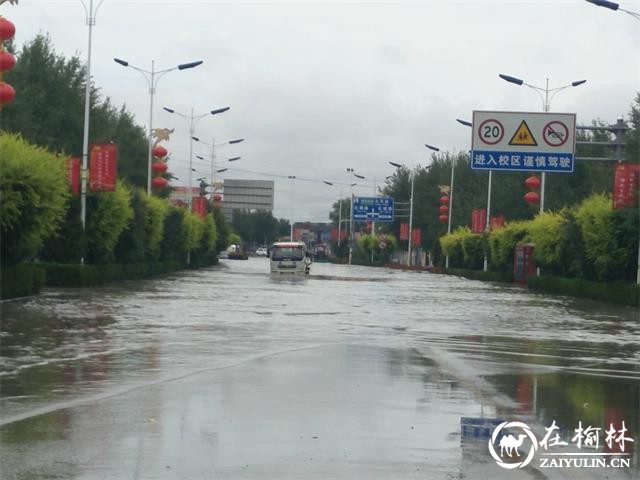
<point>20,281</point>
<point>74,275</point>
<point>619,293</point>
<point>480,275</point>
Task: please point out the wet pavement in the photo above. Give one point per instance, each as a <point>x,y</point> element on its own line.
<point>353,372</point>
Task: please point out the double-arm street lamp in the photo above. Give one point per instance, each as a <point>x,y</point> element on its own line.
<point>352,174</point>
<point>152,77</point>
<point>193,121</point>
<point>339,211</point>
<point>546,103</point>
<point>212,148</point>
<point>614,6</point>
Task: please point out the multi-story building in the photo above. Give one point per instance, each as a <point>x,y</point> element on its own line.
<point>247,195</point>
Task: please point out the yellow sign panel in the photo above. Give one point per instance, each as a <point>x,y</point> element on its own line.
<point>523,136</point>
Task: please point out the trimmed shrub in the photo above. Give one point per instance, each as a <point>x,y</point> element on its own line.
<point>75,275</point>
<point>157,211</point>
<point>108,214</point>
<point>21,281</point>
<point>172,246</point>
<point>502,243</point>
<point>616,292</point>
<point>473,248</point>
<point>451,245</point>
<point>548,232</point>
<point>33,197</point>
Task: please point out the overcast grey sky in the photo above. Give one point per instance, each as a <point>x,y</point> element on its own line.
<point>316,87</point>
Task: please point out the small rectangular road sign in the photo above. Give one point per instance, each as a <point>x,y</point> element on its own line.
<point>523,141</point>
<point>377,209</point>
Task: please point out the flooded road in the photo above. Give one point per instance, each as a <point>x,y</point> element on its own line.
<point>354,372</point>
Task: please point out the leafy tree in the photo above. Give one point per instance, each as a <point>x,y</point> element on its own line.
<point>259,227</point>
<point>172,247</point>
<point>223,230</point>
<point>33,197</point>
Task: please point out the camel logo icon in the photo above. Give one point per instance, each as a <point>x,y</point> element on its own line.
<point>510,444</point>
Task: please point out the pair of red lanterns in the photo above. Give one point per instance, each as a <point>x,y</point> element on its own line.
<point>7,61</point>
<point>533,184</point>
<point>159,167</point>
<point>444,209</point>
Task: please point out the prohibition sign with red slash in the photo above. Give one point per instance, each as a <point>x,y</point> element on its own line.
<point>555,133</point>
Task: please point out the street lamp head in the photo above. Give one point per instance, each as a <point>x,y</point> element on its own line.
<point>431,147</point>
<point>124,63</point>
<point>353,184</point>
<point>358,176</point>
<point>196,139</point>
<point>578,82</point>
<point>238,140</point>
<point>170,110</point>
<point>511,79</point>
<point>397,165</point>
<point>349,169</point>
<point>464,122</point>
<point>233,159</point>
<point>328,183</point>
<point>605,4</point>
<point>200,157</point>
<point>184,66</point>
<point>219,110</point>
<point>222,170</point>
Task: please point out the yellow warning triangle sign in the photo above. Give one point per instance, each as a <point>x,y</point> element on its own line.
<point>523,136</point>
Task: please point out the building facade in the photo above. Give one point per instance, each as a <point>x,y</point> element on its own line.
<point>247,195</point>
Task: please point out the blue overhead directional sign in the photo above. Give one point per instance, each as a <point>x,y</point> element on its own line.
<point>376,209</point>
<point>523,141</point>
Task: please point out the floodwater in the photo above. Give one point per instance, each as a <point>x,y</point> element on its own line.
<point>352,372</point>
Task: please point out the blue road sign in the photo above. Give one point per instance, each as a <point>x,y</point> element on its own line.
<point>376,209</point>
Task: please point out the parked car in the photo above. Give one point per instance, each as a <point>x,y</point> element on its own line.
<point>262,252</point>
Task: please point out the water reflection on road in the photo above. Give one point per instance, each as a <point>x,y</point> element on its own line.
<point>354,369</point>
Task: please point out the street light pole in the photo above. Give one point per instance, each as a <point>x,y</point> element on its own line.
<point>153,77</point>
<point>193,121</point>
<point>90,20</point>
<point>212,146</point>
<point>546,103</point>
<point>293,187</point>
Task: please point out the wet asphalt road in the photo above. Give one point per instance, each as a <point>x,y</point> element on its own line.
<point>354,372</point>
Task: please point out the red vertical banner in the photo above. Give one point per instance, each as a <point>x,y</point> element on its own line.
<point>404,231</point>
<point>199,206</point>
<point>625,184</point>
<point>73,174</point>
<point>103,167</point>
<point>497,222</point>
<point>478,220</point>
<point>416,236</point>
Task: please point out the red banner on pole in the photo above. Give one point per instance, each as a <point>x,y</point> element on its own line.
<point>478,220</point>
<point>404,231</point>
<point>73,174</point>
<point>103,167</point>
<point>416,237</point>
<point>625,185</point>
<point>199,206</point>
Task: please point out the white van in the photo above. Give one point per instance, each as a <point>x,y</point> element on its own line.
<point>289,258</point>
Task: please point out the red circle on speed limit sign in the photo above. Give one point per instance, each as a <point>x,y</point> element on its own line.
<point>491,131</point>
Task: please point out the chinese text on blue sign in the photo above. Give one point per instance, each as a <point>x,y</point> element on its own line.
<point>539,142</point>
<point>377,209</point>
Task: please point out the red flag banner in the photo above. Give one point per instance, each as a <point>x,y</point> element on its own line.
<point>199,206</point>
<point>103,167</point>
<point>416,236</point>
<point>478,220</point>
<point>404,231</point>
<point>625,184</point>
<point>73,174</point>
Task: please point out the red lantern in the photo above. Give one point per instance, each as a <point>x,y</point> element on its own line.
<point>444,199</point>
<point>532,197</point>
<point>159,182</point>
<point>444,209</point>
<point>443,218</point>
<point>159,167</point>
<point>159,151</point>
<point>7,93</point>
<point>532,182</point>
<point>7,29</point>
<point>217,197</point>
<point>7,61</point>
